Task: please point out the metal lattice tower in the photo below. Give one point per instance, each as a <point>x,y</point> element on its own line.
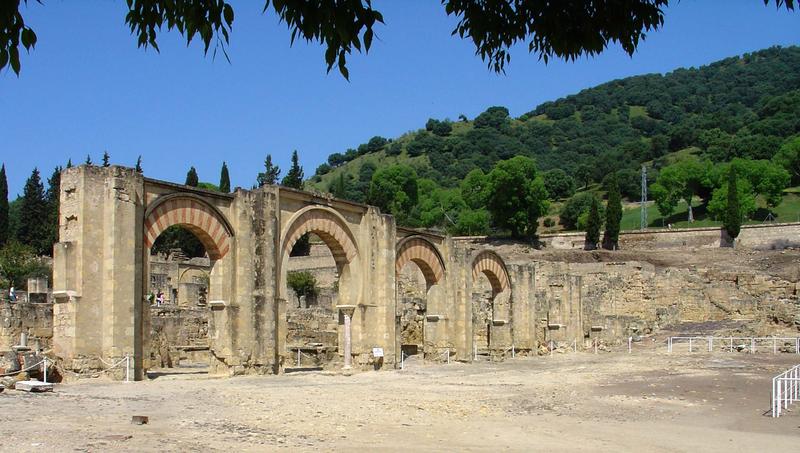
<point>644,199</point>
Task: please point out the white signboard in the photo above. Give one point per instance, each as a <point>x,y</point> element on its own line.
<point>377,352</point>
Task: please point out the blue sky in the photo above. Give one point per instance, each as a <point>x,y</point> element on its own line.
<point>87,88</point>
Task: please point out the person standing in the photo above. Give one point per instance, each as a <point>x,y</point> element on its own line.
<point>12,295</point>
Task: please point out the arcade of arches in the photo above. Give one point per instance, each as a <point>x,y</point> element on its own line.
<point>110,217</point>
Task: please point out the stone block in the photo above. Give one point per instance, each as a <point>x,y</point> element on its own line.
<point>34,386</point>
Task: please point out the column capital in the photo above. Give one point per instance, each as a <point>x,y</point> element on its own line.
<point>347,309</point>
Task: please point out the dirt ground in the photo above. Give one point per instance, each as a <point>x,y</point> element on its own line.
<point>646,401</point>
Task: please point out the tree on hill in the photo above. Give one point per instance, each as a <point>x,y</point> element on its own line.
<point>341,187</point>
<point>613,216</point>
<point>517,196</point>
<point>224,179</point>
<point>270,174</point>
<point>106,159</point>
<point>475,189</point>
<point>575,207</point>
<point>4,214</point>
<point>733,214</point>
<point>565,30</point>
<point>34,216</point>
<point>682,180</point>
<point>88,159</point>
<point>394,190</point>
<point>788,156</point>
<point>593,224</point>
<point>558,183</point>
<point>138,165</point>
<point>294,177</point>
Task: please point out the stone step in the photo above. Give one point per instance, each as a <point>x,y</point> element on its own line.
<point>301,369</point>
<point>34,386</point>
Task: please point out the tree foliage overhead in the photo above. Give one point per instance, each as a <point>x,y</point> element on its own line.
<point>566,29</point>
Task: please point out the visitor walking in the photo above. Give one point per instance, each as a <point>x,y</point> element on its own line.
<point>12,295</point>
<point>159,299</point>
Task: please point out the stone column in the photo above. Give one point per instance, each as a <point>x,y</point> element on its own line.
<point>347,313</point>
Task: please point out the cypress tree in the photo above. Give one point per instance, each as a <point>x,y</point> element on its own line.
<point>34,215</point>
<point>733,214</point>
<point>139,164</point>
<point>88,160</point>
<point>339,187</point>
<point>294,177</point>
<point>3,207</point>
<point>593,225</point>
<point>224,179</point>
<point>69,163</point>
<point>613,215</point>
<point>106,159</point>
<point>271,173</point>
<point>191,178</point>
<point>53,205</point>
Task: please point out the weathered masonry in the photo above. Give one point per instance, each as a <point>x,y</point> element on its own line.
<point>110,217</point>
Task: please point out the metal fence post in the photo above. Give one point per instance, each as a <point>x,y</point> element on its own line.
<point>690,345</point>
<point>44,370</point>
<point>630,339</point>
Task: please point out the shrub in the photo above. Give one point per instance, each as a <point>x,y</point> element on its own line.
<point>302,283</point>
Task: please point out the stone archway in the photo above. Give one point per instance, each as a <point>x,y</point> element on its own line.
<point>332,229</point>
<point>193,213</point>
<point>418,315</point>
<point>491,323</point>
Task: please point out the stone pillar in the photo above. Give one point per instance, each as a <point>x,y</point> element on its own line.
<point>347,313</point>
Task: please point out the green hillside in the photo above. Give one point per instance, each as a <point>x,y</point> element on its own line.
<point>740,107</point>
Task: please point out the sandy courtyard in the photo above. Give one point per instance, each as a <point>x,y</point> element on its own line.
<point>646,401</point>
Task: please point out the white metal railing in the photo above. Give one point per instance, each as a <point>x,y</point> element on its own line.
<point>785,390</point>
<point>731,342</point>
<point>112,365</point>
<point>445,356</point>
<point>301,354</point>
<point>42,362</point>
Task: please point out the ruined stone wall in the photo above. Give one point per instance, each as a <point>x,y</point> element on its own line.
<point>760,237</point>
<point>35,319</point>
<point>178,336</point>
<point>613,300</point>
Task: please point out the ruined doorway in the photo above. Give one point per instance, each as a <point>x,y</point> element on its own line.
<point>178,270</point>
<point>491,306</point>
<point>412,303</point>
<point>314,325</point>
<point>312,295</point>
<point>482,315</point>
<point>421,327</point>
<point>186,258</point>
